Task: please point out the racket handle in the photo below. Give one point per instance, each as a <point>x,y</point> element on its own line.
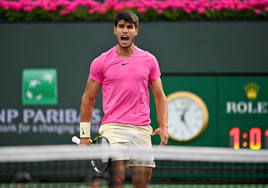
<point>76,140</point>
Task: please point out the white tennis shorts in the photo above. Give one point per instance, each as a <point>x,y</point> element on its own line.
<point>126,136</point>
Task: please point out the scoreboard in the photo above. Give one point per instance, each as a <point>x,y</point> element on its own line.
<point>252,138</point>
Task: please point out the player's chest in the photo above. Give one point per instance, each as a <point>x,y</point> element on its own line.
<point>127,70</point>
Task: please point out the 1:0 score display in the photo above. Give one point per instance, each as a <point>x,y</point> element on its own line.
<point>252,139</point>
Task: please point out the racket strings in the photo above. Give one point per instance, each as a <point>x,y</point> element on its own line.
<point>100,165</point>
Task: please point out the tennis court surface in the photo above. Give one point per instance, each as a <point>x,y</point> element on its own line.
<point>182,167</point>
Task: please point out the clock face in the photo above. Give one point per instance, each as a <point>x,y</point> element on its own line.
<point>187,116</point>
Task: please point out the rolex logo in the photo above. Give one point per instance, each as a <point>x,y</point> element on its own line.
<point>252,90</point>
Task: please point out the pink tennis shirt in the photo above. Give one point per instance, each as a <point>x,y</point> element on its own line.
<point>124,84</point>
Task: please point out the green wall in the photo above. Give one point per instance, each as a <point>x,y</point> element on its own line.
<point>228,107</point>
<point>181,47</point>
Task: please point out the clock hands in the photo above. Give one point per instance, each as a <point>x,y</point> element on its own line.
<point>184,121</point>
<point>182,117</point>
<point>183,114</point>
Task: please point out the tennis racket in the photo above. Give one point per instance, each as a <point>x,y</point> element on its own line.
<point>99,165</point>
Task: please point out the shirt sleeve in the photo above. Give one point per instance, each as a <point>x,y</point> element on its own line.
<point>155,70</point>
<point>96,72</point>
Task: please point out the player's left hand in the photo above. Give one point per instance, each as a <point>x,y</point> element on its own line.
<point>163,132</point>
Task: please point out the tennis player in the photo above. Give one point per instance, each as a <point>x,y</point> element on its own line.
<point>124,73</point>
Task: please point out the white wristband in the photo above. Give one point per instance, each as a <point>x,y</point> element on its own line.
<point>84,129</point>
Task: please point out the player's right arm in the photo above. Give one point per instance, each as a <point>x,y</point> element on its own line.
<point>87,106</point>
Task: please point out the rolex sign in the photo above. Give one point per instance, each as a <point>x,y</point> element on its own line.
<point>241,96</point>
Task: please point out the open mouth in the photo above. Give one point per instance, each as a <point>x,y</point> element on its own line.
<point>125,38</point>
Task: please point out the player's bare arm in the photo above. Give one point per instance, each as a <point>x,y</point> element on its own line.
<point>162,110</point>
<point>87,106</point>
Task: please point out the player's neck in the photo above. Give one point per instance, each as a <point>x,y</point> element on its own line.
<point>125,52</point>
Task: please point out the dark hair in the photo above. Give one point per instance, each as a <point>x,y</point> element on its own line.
<point>128,16</point>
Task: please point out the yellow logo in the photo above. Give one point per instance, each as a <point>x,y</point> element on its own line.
<point>252,90</point>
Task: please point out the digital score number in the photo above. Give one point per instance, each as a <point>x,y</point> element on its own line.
<point>252,139</point>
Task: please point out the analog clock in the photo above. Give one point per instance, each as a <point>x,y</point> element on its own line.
<point>187,116</point>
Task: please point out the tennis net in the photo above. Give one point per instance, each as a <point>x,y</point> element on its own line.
<point>185,167</point>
